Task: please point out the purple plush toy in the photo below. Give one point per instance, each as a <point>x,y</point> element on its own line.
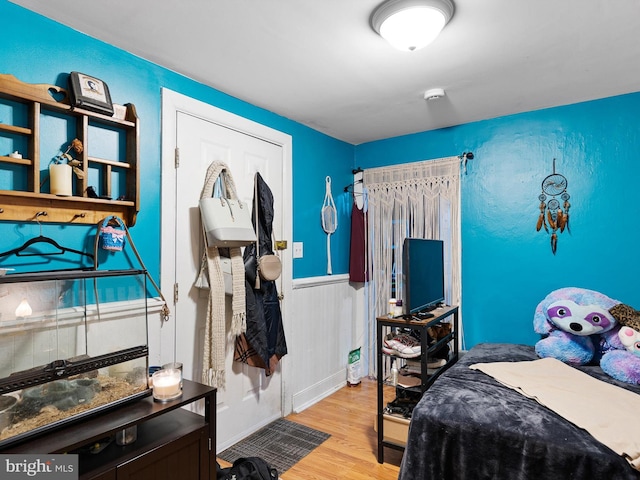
<point>581,327</point>
<point>576,326</point>
<point>624,365</point>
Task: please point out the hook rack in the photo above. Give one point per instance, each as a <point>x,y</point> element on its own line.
<point>59,211</point>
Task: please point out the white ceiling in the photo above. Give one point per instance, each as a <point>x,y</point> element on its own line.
<point>318,62</point>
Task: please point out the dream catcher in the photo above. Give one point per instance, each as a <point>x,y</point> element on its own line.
<point>554,206</point>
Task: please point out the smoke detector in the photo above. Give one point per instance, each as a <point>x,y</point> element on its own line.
<point>434,94</point>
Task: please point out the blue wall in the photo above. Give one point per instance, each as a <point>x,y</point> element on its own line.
<point>38,50</point>
<point>508,267</point>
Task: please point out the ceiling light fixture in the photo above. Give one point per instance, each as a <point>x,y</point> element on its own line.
<point>411,24</point>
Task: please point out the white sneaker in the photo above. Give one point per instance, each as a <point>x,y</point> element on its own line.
<point>402,345</point>
<point>396,353</point>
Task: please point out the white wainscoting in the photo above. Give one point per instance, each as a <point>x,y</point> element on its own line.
<point>323,329</point>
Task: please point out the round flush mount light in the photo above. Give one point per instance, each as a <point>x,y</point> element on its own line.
<point>411,24</point>
<point>434,94</point>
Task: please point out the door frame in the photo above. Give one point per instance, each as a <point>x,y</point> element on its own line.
<point>172,104</point>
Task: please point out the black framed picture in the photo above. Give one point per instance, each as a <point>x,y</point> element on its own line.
<point>89,93</point>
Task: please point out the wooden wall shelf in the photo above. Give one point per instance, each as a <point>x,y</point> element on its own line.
<point>23,205</point>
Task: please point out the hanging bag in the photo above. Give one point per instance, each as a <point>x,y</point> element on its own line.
<point>226,220</point>
<point>112,238</point>
<point>269,267</point>
<point>99,241</point>
<point>227,274</point>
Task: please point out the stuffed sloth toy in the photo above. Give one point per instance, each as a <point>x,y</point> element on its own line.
<point>581,327</point>
<point>576,325</point>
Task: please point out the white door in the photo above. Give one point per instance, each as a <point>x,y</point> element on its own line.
<point>250,399</point>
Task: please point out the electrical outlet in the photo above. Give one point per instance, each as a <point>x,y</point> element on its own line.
<point>297,249</point>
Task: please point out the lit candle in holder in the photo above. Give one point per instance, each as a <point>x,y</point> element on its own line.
<point>176,365</point>
<point>166,384</point>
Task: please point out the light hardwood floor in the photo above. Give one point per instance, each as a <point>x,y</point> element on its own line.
<point>350,453</point>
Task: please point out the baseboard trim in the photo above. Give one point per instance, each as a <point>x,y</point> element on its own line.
<point>236,438</point>
<point>320,390</point>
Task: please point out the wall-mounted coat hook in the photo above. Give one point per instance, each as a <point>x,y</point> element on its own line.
<point>37,217</point>
<point>463,159</point>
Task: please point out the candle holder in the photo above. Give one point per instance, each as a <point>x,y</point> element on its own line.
<point>176,365</point>
<point>166,385</point>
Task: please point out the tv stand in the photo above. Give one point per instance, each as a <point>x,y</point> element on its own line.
<point>393,431</point>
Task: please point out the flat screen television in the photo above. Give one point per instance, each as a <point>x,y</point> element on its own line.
<point>423,274</point>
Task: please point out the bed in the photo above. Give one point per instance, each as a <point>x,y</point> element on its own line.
<point>469,426</point>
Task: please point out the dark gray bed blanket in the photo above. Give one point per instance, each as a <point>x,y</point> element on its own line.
<point>468,426</point>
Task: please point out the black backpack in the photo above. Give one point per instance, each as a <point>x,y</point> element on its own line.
<point>250,468</point>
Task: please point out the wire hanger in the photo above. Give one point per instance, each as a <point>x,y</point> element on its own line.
<point>18,252</point>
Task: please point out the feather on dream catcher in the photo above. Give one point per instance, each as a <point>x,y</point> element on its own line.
<point>554,206</point>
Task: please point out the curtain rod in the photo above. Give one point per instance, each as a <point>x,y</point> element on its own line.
<point>464,156</point>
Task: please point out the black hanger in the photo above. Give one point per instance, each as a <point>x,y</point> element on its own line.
<point>350,187</point>
<point>42,239</point>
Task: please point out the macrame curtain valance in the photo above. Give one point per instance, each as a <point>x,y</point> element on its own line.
<point>419,200</point>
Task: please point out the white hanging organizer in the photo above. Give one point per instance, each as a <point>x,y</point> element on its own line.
<point>329,219</point>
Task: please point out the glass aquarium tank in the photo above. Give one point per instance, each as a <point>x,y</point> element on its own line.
<point>72,343</point>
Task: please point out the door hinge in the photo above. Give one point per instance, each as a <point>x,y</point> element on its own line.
<point>175,293</point>
<point>209,444</point>
<point>177,159</point>
<point>281,244</point>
